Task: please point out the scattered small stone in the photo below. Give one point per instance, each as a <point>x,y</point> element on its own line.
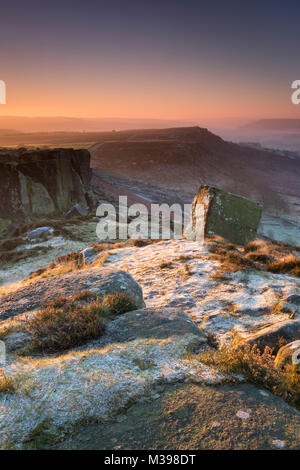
<point>263,393</point>
<point>278,443</point>
<point>239,377</point>
<point>23,301</point>
<point>216,424</point>
<point>243,415</point>
<point>40,232</point>
<point>88,255</point>
<point>156,396</point>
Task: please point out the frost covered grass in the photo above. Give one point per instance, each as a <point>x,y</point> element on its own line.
<point>195,283</point>
<point>56,394</point>
<point>73,261</point>
<point>257,367</point>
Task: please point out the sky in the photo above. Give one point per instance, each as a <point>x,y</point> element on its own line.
<point>167,59</point>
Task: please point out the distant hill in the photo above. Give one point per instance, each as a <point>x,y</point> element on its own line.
<point>69,124</point>
<point>274,125</point>
<point>7,132</point>
<point>180,159</point>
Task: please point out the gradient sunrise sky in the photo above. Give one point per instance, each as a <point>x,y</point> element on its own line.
<point>165,59</point>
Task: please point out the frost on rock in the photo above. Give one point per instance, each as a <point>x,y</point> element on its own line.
<point>243,304</point>
<point>91,384</point>
<point>140,349</point>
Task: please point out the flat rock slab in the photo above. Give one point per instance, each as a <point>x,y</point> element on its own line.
<point>155,323</point>
<point>99,280</point>
<point>198,417</point>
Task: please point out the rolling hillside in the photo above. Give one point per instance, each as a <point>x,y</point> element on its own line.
<point>183,158</point>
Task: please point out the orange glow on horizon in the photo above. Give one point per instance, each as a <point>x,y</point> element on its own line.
<point>162,97</point>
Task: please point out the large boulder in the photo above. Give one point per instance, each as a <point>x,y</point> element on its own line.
<point>99,280</point>
<point>38,182</point>
<point>232,217</point>
<point>155,323</point>
<point>288,330</point>
<point>77,211</point>
<point>40,232</point>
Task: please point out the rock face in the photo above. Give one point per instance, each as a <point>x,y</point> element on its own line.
<point>233,217</point>
<point>38,183</point>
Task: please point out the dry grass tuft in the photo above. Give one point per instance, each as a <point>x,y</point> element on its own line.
<point>6,385</point>
<point>119,303</point>
<point>212,340</point>
<point>257,367</point>
<point>259,254</point>
<point>167,264</point>
<point>218,276</point>
<point>277,308</point>
<point>122,244</point>
<point>187,270</point>
<point>287,265</point>
<point>59,328</point>
<point>259,257</point>
<point>11,243</point>
<point>67,322</point>
<point>232,261</point>
<point>255,245</point>
<point>184,258</point>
